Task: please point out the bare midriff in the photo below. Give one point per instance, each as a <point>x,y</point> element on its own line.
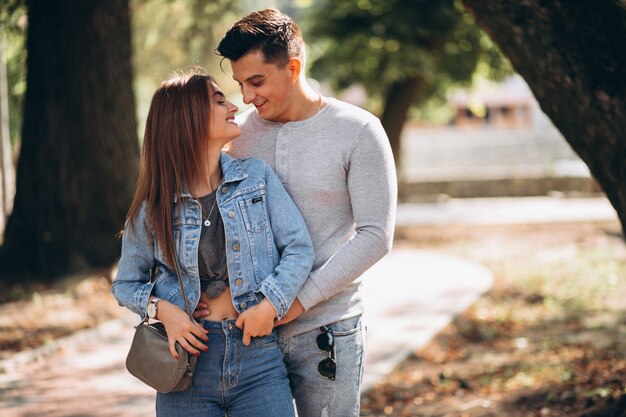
<point>221,307</point>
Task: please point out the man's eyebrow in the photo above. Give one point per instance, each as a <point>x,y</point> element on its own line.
<point>251,78</point>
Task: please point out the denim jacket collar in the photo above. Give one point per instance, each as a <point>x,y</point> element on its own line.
<point>231,172</point>
<point>231,169</point>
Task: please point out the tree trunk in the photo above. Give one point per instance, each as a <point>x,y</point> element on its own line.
<point>7,173</point>
<point>400,97</point>
<point>571,53</point>
<point>79,153</point>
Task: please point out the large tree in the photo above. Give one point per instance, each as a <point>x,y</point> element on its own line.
<point>571,53</point>
<point>79,150</point>
<point>13,28</point>
<point>401,51</point>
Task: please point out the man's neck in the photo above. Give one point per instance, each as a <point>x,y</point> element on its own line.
<point>304,104</point>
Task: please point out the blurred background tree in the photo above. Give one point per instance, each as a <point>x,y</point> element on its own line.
<point>167,35</point>
<point>172,35</point>
<point>401,51</point>
<point>78,149</point>
<point>13,31</point>
<point>571,54</point>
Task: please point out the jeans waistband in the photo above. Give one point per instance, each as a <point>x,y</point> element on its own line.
<point>224,326</point>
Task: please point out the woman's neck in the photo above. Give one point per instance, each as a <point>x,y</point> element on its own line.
<point>210,180</point>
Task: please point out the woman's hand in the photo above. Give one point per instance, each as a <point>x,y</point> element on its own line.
<point>257,321</point>
<point>180,329</point>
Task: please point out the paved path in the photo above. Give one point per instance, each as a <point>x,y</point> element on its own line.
<point>505,211</point>
<point>84,375</point>
<point>411,295</point>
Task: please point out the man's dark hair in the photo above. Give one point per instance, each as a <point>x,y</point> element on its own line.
<point>269,31</point>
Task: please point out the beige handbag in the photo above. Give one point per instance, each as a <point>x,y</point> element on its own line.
<point>149,358</point>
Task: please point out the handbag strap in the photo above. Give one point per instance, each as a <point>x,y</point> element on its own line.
<point>182,288</point>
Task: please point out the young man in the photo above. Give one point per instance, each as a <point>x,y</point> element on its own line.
<point>336,163</point>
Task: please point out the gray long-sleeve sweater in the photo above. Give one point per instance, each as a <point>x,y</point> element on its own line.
<point>338,168</point>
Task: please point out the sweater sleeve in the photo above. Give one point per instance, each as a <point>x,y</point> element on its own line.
<point>372,185</point>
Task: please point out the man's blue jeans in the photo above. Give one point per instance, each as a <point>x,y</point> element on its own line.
<point>245,381</point>
<point>315,395</point>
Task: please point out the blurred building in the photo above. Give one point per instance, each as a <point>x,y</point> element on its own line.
<point>499,143</point>
<point>506,104</point>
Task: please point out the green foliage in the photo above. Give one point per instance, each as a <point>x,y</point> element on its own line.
<point>174,35</point>
<point>13,24</point>
<point>377,43</point>
<point>168,35</point>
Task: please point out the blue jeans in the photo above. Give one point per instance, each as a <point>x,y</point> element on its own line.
<point>242,381</point>
<point>315,395</point>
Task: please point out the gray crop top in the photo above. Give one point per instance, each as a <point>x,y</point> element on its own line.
<point>212,249</point>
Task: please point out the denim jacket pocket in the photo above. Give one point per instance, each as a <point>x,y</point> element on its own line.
<point>254,211</point>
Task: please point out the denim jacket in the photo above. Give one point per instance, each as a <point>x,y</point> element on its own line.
<point>269,251</point>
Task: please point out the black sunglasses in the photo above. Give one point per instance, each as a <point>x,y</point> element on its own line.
<point>326,341</point>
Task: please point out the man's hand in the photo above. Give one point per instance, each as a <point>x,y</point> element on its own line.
<point>257,320</point>
<point>202,309</point>
<point>293,313</point>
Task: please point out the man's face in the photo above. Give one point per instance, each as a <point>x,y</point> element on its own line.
<point>265,85</point>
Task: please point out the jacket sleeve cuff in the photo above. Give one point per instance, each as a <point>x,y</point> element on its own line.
<point>142,299</point>
<point>310,294</point>
<point>275,299</point>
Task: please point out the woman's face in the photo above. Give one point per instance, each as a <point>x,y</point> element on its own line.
<point>222,126</point>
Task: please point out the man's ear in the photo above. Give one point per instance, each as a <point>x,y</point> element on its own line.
<point>295,68</point>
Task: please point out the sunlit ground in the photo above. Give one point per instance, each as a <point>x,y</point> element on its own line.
<point>547,340</point>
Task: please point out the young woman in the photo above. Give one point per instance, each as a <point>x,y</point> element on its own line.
<point>238,238</point>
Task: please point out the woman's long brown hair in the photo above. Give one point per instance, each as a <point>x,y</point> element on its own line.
<point>174,151</point>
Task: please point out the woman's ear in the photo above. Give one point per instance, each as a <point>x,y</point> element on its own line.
<point>295,68</point>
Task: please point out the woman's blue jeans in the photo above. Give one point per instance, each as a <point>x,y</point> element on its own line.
<point>242,381</point>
